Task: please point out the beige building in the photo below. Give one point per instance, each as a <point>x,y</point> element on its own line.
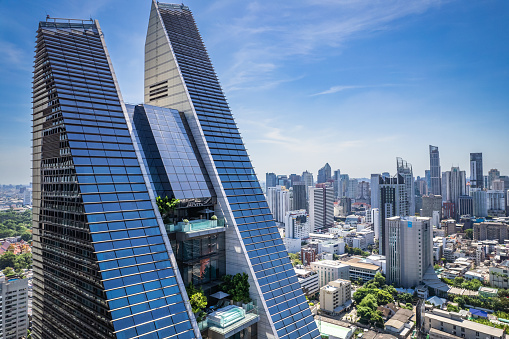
<point>490,231</point>
<point>336,296</point>
<point>442,324</point>
<point>329,270</point>
<point>361,270</point>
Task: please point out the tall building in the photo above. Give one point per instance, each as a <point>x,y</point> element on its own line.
<point>409,244</point>
<point>180,75</point>
<point>297,224</point>
<point>476,172</point>
<point>479,202</point>
<point>392,195</point>
<point>337,183</point>
<point>363,192</point>
<point>375,181</point>
<point>98,244</point>
<point>13,307</point>
<point>307,179</point>
<point>490,231</point>
<point>270,181</point>
<point>431,203</point>
<point>453,186</point>
<point>496,203</point>
<point>405,170</point>
<point>343,185</point>
<point>324,174</point>
<point>466,205</point>
<point>493,174</point>
<point>321,207</point>
<point>435,184</point>
<point>299,196</point>
<point>352,189</point>
<point>278,199</point>
<point>330,270</point>
<point>104,266</point>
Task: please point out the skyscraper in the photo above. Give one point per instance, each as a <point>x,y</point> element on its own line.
<point>392,195</point>
<point>299,196</point>
<point>307,179</point>
<point>453,186</point>
<point>321,207</point>
<point>409,243</point>
<point>476,173</point>
<point>324,174</point>
<point>434,169</point>
<point>405,170</point>
<point>337,182</point>
<point>375,181</point>
<point>180,75</point>
<point>103,265</point>
<point>270,181</point>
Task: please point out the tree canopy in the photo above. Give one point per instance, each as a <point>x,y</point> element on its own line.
<point>14,224</point>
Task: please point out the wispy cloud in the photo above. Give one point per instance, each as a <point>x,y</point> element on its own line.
<point>336,89</point>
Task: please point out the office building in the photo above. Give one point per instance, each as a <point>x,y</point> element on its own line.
<point>308,280</point>
<point>409,244</point>
<point>308,255</point>
<point>434,183</point>
<point>337,183</point>
<point>270,181</point>
<point>335,296</point>
<point>278,199</point>
<point>329,270</point>
<point>307,179</point>
<point>453,186</point>
<point>299,196</point>
<point>321,207</point>
<point>13,307</point>
<point>375,181</point>
<point>95,231</point>
<point>282,180</point>
<point>179,75</point>
<point>498,185</point>
<point>27,197</point>
<point>466,205</point>
<point>479,202</point>
<point>493,174</point>
<point>392,195</point>
<point>363,192</point>
<point>294,178</point>
<point>360,270</point>
<point>490,231</point>
<point>405,170</point>
<point>352,189</point>
<point>343,185</point>
<point>476,172</point>
<point>324,174</point>
<point>375,220</point>
<point>95,190</point>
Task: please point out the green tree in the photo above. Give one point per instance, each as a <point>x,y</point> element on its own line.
<point>379,279</point>
<point>460,301</point>
<point>406,297</point>
<point>452,308</point>
<point>27,236</point>
<point>197,299</point>
<point>369,301</point>
<point>383,297</point>
<point>360,294</point>
<point>469,234</point>
<point>7,260</point>
<point>408,306</point>
<point>8,271</point>
<point>364,312</point>
<point>437,266</point>
<point>237,286</point>
<point>391,290</point>
<point>166,207</point>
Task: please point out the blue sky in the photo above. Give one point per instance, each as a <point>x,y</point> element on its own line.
<point>352,83</point>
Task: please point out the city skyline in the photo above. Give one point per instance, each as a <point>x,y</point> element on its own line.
<point>359,75</point>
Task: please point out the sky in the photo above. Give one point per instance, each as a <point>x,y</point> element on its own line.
<point>353,83</point>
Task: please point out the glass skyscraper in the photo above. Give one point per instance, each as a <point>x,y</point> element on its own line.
<point>107,264</point>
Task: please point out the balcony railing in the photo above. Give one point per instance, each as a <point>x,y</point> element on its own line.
<point>195,225</point>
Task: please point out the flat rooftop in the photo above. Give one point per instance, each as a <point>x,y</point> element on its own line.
<point>473,326</point>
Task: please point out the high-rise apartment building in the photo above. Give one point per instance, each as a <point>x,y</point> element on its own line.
<point>476,171</point>
<point>278,199</point>
<point>479,202</point>
<point>409,244</point>
<point>337,183</point>
<point>490,231</point>
<point>392,195</point>
<point>321,207</point>
<point>434,171</point>
<point>496,203</point>
<point>270,181</point>
<point>104,266</point>
<point>453,186</point>
<point>352,189</point>
<point>465,205</point>
<point>405,170</point>
<point>493,174</point>
<point>324,174</point>
<point>375,181</point>
<point>307,179</point>
<point>297,224</point>
<point>13,307</point>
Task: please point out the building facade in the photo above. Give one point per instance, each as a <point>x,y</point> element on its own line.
<point>409,243</point>
<point>324,174</point>
<point>434,170</point>
<point>490,231</point>
<point>335,294</point>
<point>329,270</point>
<point>13,308</point>
<point>321,207</point>
<point>476,171</point>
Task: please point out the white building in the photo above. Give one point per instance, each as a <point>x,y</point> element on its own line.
<point>499,276</point>
<point>293,245</point>
<point>321,207</point>
<point>375,219</point>
<point>27,197</point>
<point>479,202</point>
<point>278,199</point>
<point>332,246</point>
<point>496,203</point>
<point>378,260</point>
<point>329,270</point>
<point>13,307</point>
<point>297,224</point>
<point>308,281</point>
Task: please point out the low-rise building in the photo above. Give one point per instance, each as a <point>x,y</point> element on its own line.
<point>443,324</point>
<point>361,270</point>
<point>499,275</point>
<point>401,323</point>
<point>308,281</point>
<point>336,296</point>
<point>329,270</point>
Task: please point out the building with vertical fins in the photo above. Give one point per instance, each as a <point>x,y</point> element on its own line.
<point>107,262</point>
<point>434,170</point>
<point>179,75</point>
<point>476,171</point>
<point>102,261</point>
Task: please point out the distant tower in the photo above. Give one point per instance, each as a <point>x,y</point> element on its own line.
<point>324,174</point>
<point>270,181</point>
<point>307,179</point>
<point>405,170</point>
<point>434,168</point>
<point>476,174</point>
